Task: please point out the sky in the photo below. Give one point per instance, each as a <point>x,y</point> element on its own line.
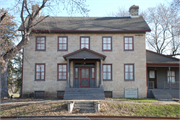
<point>100,8</point>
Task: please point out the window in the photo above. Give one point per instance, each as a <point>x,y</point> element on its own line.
<point>39,94</point>
<point>85,43</point>
<point>108,94</point>
<point>107,72</point>
<point>76,73</point>
<point>41,43</point>
<point>62,43</point>
<point>129,71</point>
<point>60,94</point>
<point>62,72</point>
<point>40,72</point>
<point>107,43</point>
<point>172,76</point>
<point>93,73</point>
<point>128,43</point>
<point>151,74</point>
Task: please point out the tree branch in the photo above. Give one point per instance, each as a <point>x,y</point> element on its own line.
<point>2,17</point>
<point>39,21</point>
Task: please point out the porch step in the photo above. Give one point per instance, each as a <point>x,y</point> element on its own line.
<point>84,94</point>
<point>162,94</point>
<point>84,107</point>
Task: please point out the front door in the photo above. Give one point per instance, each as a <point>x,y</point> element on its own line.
<point>84,77</point>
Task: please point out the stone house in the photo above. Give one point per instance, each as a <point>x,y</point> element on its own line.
<point>86,57</point>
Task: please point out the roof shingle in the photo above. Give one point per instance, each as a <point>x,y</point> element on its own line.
<point>91,24</point>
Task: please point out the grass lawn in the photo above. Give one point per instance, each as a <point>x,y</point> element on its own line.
<point>146,100</point>
<point>107,108</point>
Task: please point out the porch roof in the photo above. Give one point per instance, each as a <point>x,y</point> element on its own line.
<point>84,54</point>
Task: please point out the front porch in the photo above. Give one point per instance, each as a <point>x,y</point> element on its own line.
<point>84,75</point>
<point>163,81</point>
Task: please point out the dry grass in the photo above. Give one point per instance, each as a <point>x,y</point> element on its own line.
<point>107,109</point>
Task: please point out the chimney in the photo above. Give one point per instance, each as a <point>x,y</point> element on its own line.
<point>34,9</point>
<point>134,11</point>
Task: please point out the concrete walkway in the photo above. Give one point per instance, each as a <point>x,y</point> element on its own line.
<point>11,102</point>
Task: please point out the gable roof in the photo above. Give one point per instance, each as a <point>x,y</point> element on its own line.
<point>84,54</point>
<point>153,57</point>
<point>91,24</point>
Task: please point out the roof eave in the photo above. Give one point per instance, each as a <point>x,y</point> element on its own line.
<point>88,31</point>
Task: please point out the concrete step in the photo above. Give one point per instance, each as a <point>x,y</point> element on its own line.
<point>84,105</point>
<point>84,108</point>
<point>160,94</point>
<point>84,94</point>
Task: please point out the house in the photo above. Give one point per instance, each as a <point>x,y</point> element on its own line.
<point>89,58</point>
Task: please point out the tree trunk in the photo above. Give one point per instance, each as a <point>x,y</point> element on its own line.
<point>4,73</point>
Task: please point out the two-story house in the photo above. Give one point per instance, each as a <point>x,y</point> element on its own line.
<point>86,57</point>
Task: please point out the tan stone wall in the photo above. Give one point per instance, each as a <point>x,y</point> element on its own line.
<point>117,57</point>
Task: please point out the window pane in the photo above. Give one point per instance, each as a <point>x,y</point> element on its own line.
<point>104,40</point>
<point>86,40</point>
<point>93,72</point>
<point>126,76</point>
<point>64,40</point>
<point>109,47</point>
<point>126,68</point>
<point>76,72</point>
<point>42,76</point>
<point>83,73</point>
<point>173,80</point>
<point>60,46</point>
<point>60,40</point>
<point>64,67</point>
<point>109,75</point>
<point>130,40</point>
<point>109,40</point>
<point>130,46</point>
<point>126,40</point>
<point>60,75</point>
<point>87,46</point>
<point>42,41</point>
<point>87,73</point>
<point>172,73</point>
<point>37,67</point>
<point>126,46</point>
<point>151,74</point>
<point>82,40</point>
<point>131,75</point>
<point>37,75</point>
<point>130,68</point>
<point>104,76</point>
<point>42,67</point>
<point>38,46</point>
<point>104,68</point>
<point>42,46</point>
<point>109,68</point>
<point>104,46</point>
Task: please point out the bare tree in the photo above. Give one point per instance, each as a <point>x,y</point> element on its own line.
<point>164,22</point>
<point>28,19</point>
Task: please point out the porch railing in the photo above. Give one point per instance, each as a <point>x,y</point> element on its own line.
<point>151,85</point>
<point>174,85</point>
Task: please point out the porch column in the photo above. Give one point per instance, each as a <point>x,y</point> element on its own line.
<point>100,76</point>
<point>169,77</point>
<point>68,81</point>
